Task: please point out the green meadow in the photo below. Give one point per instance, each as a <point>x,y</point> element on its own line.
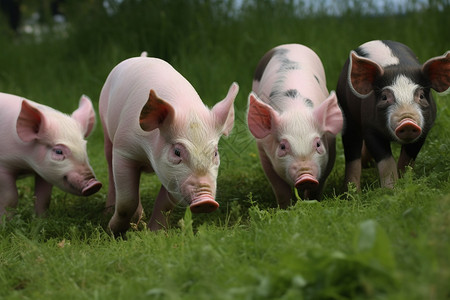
<point>374,244</point>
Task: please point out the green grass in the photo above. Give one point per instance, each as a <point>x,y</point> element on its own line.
<point>378,244</point>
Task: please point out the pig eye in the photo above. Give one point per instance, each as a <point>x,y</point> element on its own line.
<point>319,147</point>
<point>283,148</point>
<point>420,98</point>
<point>177,153</point>
<point>58,154</point>
<point>386,99</point>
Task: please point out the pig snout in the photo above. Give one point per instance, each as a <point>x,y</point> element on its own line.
<point>91,187</point>
<point>408,130</point>
<point>306,182</point>
<point>200,195</point>
<point>81,184</point>
<point>203,204</point>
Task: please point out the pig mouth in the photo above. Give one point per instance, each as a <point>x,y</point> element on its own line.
<point>203,203</point>
<point>306,181</point>
<point>408,130</point>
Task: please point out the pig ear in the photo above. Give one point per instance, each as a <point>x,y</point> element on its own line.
<point>362,74</point>
<point>329,115</point>
<point>260,117</point>
<point>85,115</point>
<point>154,112</point>
<point>224,110</point>
<point>437,70</point>
<point>29,122</point>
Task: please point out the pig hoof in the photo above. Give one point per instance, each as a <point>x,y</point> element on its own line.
<point>306,182</point>
<point>92,187</point>
<point>204,204</point>
<point>408,130</point>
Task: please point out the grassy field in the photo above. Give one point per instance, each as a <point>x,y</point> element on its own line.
<point>377,244</point>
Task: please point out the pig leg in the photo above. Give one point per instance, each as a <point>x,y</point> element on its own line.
<point>408,155</point>
<point>127,175</point>
<point>111,200</point>
<point>163,204</point>
<point>281,189</point>
<point>352,142</point>
<point>381,150</point>
<point>8,192</point>
<point>42,192</point>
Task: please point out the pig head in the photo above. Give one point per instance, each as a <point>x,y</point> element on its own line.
<point>47,143</point>
<point>294,120</point>
<point>155,121</point>
<point>385,95</point>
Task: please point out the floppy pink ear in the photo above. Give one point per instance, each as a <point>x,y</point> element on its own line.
<point>85,115</point>
<point>329,115</point>
<point>223,111</point>
<point>261,118</point>
<point>362,73</point>
<point>437,69</point>
<point>29,122</point>
<point>155,112</point>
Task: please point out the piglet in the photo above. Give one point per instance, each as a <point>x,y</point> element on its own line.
<point>385,95</point>
<point>154,121</point>
<point>294,120</point>
<point>39,140</point>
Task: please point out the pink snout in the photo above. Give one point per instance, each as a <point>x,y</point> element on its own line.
<point>203,204</point>
<point>91,187</point>
<point>408,130</point>
<point>306,182</point>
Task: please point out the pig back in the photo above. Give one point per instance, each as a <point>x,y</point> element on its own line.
<point>127,88</point>
<point>287,69</point>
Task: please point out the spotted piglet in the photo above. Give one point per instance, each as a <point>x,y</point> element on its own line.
<point>385,95</point>
<point>294,120</point>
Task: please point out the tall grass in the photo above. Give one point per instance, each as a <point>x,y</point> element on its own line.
<point>375,244</point>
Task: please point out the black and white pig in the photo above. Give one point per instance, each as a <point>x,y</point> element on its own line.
<point>385,95</point>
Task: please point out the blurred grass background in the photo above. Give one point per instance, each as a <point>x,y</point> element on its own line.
<point>213,43</point>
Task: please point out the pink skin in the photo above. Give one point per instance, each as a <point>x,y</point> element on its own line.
<point>154,121</point>
<point>47,143</point>
<point>294,120</point>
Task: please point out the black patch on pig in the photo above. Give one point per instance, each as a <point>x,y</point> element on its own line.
<point>263,64</point>
<point>309,102</point>
<point>292,93</point>
<point>317,79</point>
<point>405,55</point>
<point>361,52</point>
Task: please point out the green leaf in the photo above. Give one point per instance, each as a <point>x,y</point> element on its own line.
<point>373,246</point>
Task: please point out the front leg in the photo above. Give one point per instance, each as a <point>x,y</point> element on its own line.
<point>127,175</point>
<point>352,141</point>
<point>408,155</point>
<point>163,204</point>
<point>9,196</point>
<point>281,189</point>
<point>380,148</point>
<point>43,193</point>
<point>387,171</point>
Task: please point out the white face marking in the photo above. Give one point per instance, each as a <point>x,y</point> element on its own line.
<point>380,53</point>
<point>403,89</point>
